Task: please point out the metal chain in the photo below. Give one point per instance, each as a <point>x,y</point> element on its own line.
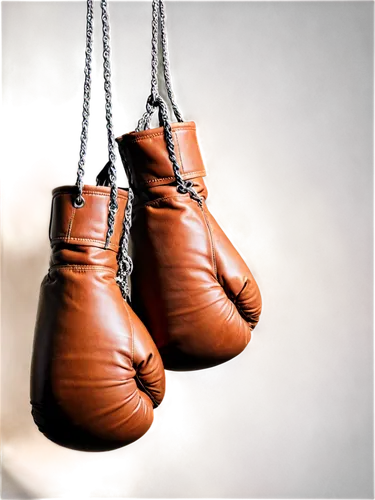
<point>167,72</point>
<point>113,206</point>
<point>79,201</point>
<point>144,121</point>
<point>159,16</point>
<point>156,101</point>
<point>183,186</point>
<point>125,264</point>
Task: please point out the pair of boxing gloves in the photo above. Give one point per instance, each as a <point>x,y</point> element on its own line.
<point>98,364</point>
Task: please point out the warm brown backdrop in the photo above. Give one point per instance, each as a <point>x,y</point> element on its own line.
<point>281,93</point>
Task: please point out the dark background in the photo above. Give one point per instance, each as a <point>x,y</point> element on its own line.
<point>282,95</point>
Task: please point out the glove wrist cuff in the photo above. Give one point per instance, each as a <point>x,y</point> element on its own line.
<point>146,158</point>
<point>88,225</point>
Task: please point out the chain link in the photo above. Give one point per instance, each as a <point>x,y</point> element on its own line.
<point>156,101</point>
<point>167,72</point>
<point>113,206</point>
<point>144,121</point>
<point>125,264</point>
<point>79,201</point>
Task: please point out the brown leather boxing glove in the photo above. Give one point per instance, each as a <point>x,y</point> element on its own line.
<point>96,374</point>
<point>190,286</point>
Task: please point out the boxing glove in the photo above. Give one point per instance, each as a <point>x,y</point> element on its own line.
<point>96,374</point>
<point>190,287</point>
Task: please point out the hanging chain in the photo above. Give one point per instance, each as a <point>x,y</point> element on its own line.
<point>144,121</point>
<point>159,16</point>
<point>79,201</point>
<point>108,115</point>
<point>156,101</point>
<point>125,265</point>
<point>167,72</point>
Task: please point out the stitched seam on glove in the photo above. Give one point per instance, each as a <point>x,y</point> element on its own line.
<point>153,203</point>
<point>88,193</point>
<point>82,268</point>
<point>179,152</point>
<point>202,173</point>
<point>70,225</point>
<point>150,136</point>
<point>132,329</point>
<point>132,360</point>
<point>210,233</point>
<point>67,240</point>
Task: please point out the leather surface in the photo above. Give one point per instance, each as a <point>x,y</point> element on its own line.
<point>149,161</point>
<point>190,287</point>
<point>96,374</point>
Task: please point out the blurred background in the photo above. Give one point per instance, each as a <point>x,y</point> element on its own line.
<point>282,94</point>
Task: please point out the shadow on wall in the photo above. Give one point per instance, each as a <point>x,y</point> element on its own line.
<point>10,488</point>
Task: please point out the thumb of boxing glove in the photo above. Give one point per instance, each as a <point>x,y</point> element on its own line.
<point>234,275</point>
